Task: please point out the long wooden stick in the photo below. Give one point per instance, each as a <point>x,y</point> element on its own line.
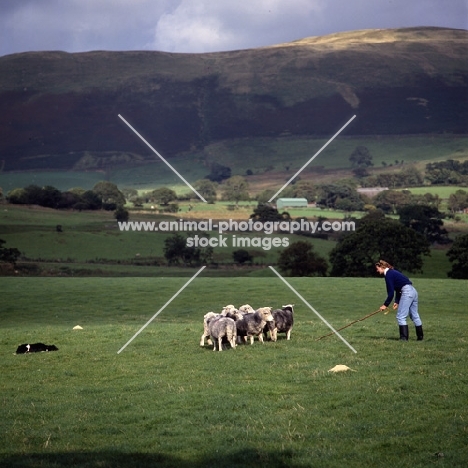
<point>349,324</point>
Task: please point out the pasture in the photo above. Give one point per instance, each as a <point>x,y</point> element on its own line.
<point>271,161</point>
<point>165,401</point>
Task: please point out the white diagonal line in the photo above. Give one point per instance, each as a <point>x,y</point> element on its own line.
<point>161,309</point>
<point>311,159</point>
<point>313,310</point>
<point>162,159</point>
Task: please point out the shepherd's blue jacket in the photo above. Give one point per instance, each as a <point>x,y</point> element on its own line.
<point>394,281</point>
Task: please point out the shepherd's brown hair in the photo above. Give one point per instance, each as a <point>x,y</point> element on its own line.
<point>384,264</point>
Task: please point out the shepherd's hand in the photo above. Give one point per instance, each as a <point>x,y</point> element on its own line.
<point>395,306</point>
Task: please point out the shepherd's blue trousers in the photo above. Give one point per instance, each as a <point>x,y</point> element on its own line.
<point>408,306</point>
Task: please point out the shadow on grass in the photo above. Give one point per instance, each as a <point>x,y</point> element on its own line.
<point>239,459</point>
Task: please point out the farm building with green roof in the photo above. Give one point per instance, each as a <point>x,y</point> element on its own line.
<point>291,203</point>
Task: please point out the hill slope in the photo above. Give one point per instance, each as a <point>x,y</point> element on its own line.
<point>59,110</point>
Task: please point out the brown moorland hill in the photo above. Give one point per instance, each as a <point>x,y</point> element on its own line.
<point>58,108</point>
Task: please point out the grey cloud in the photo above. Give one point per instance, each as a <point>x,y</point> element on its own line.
<point>204,25</point>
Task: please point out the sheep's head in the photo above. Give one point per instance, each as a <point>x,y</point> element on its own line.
<point>266,312</point>
<point>209,315</point>
<point>228,308</point>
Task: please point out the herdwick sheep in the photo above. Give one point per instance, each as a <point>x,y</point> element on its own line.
<point>206,331</point>
<point>253,324</point>
<point>222,327</point>
<point>246,309</point>
<point>283,322</point>
<point>228,309</point>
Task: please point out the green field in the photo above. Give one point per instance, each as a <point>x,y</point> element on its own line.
<point>269,159</point>
<point>165,401</point>
<point>91,243</point>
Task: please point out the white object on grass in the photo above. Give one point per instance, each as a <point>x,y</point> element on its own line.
<point>340,368</point>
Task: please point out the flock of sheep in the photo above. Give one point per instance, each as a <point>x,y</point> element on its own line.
<point>233,325</point>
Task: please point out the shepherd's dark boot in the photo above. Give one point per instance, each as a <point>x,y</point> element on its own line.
<point>404,332</point>
<point>419,333</point>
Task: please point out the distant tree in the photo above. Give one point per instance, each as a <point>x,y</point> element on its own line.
<point>17,196</point>
<point>174,248</point>
<point>129,193</point>
<point>390,200</point>
<point>265,196</point>
<point>427,220</point>
<point>265,212</point>
<point>304,189</point>
<point>50,197</point>
<point>345,204</point>
<point>242,256</point>
<point>458,256</point>
<point>235,189</point>
<point>33,194</point>
<point>458,201</point>
<point>361,157</point>
<point>8,255</point>
<point>448,172</point>
<point>68,200</point>
<point>330,194</point>
<point>163,195</point>
<point>378,237</point>
<point>428,199</point>
<point>300,259</point>
<point>110,195</point>
<point>47,196</point>
<point>176,251</point>
<point>121,214</point>
<point>207,189</point>
<point>411,177</point>
<point>89,201</point>
<point>219,172</point>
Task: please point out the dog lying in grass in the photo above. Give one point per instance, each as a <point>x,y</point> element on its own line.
<point>35,348</point>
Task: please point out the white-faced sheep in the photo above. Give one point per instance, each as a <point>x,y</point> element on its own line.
<point>246,309</point>
<point>222,327</point>
<point>253,324</point>
<point>227,309</point>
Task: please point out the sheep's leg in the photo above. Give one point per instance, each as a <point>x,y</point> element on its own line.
<point>220,343</point>
<point>288,334</point>
<point>274,334</point>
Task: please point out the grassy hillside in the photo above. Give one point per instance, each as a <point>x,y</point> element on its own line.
<point>272,161</point>
<point>165,401</point>
<point>59,110</point>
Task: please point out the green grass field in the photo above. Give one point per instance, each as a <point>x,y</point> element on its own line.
<point>91,244</point>
<point>268,158</point>
<point>165,401</point>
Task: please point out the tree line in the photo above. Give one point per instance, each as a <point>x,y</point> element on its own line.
<point>402,242</point>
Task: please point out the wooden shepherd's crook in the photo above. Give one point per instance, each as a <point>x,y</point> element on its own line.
<point>349,324</point>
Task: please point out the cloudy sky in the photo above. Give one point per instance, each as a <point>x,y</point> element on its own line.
<point>204,25</point>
